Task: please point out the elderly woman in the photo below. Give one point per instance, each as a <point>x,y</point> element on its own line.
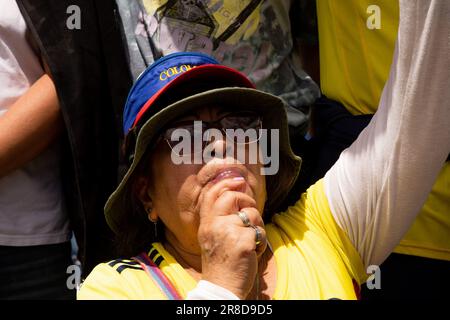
<point>204,217</point>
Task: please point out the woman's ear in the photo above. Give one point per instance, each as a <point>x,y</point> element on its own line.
<point>142,190</point>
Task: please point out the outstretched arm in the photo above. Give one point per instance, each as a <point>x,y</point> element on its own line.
<point>379,184</point>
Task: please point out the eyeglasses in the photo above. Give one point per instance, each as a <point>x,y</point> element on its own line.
<point>240,128</point>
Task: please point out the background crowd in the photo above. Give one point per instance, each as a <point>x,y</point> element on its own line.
<point>62,97</point>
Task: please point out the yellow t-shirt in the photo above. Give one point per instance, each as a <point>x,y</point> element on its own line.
<point>314,260</point>
<point>357,40</point>
<point>355,56</point>
<point>429,236</point>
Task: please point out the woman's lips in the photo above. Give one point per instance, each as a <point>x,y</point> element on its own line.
<point>229,173</point>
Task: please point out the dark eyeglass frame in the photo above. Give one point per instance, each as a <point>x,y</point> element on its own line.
<point>256,124</point>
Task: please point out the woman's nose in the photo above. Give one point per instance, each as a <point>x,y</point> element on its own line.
<point>217,145</point>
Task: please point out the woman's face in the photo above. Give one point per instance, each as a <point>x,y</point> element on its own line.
<point>175,191</point>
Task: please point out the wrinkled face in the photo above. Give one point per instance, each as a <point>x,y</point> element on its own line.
<point>175,191</point>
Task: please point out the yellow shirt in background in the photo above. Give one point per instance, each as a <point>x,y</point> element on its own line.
<point>357,39</point>
<point>314,260</point>
<point>429,236</point>
<point>355,60</point>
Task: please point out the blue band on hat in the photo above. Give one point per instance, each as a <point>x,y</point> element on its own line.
<point>155,77</point>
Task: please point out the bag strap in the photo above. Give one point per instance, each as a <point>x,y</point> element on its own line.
<point>237,23</point>
<point>157,276</point>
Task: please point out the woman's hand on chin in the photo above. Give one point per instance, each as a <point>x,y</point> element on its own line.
<point>229,251</point>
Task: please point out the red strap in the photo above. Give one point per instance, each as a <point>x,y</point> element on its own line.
<point>157,276</point>
<point>357,289</point>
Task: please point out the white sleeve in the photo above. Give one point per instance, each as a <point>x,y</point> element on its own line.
<point>206,290</point>
<point>378,185</point>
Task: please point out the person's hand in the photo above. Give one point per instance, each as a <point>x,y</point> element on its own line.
<point>229,250</point>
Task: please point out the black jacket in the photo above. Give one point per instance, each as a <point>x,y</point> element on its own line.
<point>90,72</point>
